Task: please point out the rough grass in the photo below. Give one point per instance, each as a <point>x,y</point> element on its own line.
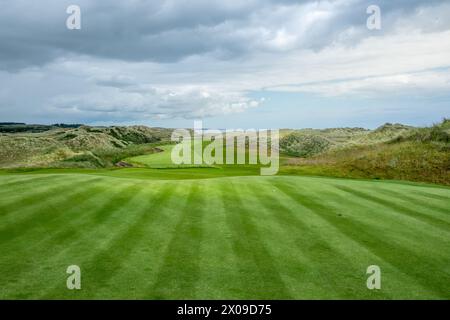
<point>427,162</point>
<point>84,147</point>
<point>393,151</point>
<point>304,145</point>
<point>236,237</point>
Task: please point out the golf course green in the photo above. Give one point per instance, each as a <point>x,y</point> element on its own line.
<point>167,234</point>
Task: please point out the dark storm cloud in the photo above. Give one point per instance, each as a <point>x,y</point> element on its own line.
<point>34,33</point>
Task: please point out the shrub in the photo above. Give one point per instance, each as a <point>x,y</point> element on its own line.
<point>79,157</point>
<point>109,157</point>
<point>303,145</point>
<point>87,157</point>
<point>436,133</point>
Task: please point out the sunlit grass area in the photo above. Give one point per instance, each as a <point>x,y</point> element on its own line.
<point>227,237</point>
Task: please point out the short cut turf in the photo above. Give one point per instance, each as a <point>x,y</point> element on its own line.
<point>281,237</point>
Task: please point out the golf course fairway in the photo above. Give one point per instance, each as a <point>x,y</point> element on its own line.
<point>281,237</point>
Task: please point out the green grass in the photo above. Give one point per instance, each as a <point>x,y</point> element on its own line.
<point>165,234</point>
<point>159,160</point>
<point>162,167</point>
<point>421,162</point>
<point>223,232</point>
<point>163,160</point>
<point>392,151</point>
<point>63,146</point>
<point>163,231</point>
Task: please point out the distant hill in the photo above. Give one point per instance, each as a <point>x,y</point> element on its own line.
<point>11,123</point>
<point>58,145</point>
<point>392,151</point>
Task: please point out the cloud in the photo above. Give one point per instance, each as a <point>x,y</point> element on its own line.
<point>34,33</point>
<point>138,60</point>
<point>148,103</point>
<point>410,84</point>
<point>115,81</point>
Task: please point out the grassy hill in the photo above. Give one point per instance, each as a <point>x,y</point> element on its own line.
<point>389,152</point>
<point>392,151</point>
<point>16,127</point>
<point>83,146</point>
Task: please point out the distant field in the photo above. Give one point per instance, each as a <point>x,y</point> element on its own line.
<point>166,168</point>
<point>157,160</point>
<point>160,159</point>
<point>165,234</point>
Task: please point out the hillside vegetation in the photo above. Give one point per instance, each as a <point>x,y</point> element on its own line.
<point>83,146</point>
<point>392,151</point>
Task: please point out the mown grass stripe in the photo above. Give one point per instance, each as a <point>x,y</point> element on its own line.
<point>250,250</point>
<point>351,208</point>
<point>38,218</point>
<point>400,227</point>
<point>314,246</point>
<point>217,263</point>
<point>24,199</point>
<point>22,182</point>
<point>431,195</point>
<point>113,258</point>
<point>436,222</point>
<point>179,273</point>
<point>343,228</point>
<point>77,219</point>
<point>58,203</point>
<point>45,242</point>
<point>103,264</point>
<point>443,211</point>
<point>367,236</point>
<point>93,237</point>
<point>121,200</point>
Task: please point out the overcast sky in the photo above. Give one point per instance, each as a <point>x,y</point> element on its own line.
<point>233,63</point>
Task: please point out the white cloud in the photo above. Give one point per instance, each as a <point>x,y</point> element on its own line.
<point>411,84</point>
<point>178,62</point>
<point>147,103</point>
